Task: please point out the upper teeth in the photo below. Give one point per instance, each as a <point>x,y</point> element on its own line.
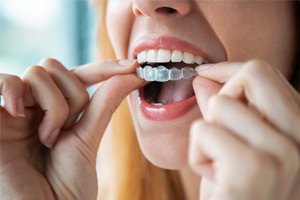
<point>165,56</point>
<point>163,74</point>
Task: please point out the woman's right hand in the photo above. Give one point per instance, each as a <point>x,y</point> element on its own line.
<point>41,110</point>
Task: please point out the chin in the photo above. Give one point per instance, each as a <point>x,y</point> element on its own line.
<point>165,152</point>
<point>163,142</point>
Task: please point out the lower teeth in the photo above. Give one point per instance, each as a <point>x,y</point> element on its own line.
<point>163,74</point>
<point>157,104</point>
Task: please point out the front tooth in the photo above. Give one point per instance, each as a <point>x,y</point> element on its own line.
<point>162,74</point>
<point>151,55</point>
<point>177,56</point>
<point>142,57</point>
<point>163,56</point>
<point>149,73</point>
<point>198,60</point>
<point>188,58</point>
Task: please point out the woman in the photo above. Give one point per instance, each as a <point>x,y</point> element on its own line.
<point>243,145</point>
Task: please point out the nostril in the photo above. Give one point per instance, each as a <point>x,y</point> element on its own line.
<point>166,10</point>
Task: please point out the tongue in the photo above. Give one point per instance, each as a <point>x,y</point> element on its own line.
<point>175,91</point>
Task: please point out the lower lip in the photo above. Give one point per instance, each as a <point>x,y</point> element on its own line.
<point>165,112</point>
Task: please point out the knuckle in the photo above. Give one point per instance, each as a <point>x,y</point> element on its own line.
<point>10,87</point>
<point>197,160</point>
<point>64,110</point>
<point>82,99</point>
<point>50,62</point>
<point>256,68</point>
<point>34,71</point>
<point>11,80</point>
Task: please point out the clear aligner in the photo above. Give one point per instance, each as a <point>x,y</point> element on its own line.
<point>163,74</point>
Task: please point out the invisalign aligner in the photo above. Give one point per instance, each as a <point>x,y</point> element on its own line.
<point>163,74</point>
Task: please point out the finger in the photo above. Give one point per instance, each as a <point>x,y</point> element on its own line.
<point>204,89</point>
<point>229,156</point>
<point>209,145</point>
<point>221,72</point>
<point>102,105</point>
<point>72,89</point>
<point>99,71</point>
<point>49,98</point>
<point>247,126</point>
<point>270,94</point>
<point>11,88</point>
<point>264,88</point>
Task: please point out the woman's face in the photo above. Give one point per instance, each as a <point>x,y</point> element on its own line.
<point>190,31</point>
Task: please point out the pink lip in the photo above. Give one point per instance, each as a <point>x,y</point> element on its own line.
<point>170,43</point>
<point>165,112</point>
<point>169,111</point>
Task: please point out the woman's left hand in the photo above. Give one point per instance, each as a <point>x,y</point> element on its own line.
<point>247,145</point>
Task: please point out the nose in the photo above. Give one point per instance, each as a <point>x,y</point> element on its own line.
<point>161,8</point>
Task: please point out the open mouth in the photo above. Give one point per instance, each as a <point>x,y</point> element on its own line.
<point>169,92</point>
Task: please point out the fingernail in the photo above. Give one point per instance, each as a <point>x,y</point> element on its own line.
<point>52,138</point>
<point>20,108</point>
<point>203,67</point>
<point>127,62</point>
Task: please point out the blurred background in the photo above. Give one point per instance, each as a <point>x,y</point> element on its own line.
<point>31,30</point>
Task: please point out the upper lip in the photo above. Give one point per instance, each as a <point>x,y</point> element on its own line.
<point>170,43</point>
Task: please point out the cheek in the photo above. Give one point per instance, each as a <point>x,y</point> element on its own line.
<point>119,19</point>
<point>254,30</point>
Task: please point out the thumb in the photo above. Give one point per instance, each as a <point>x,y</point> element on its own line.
<point>104,102</point>
<point>204,89</point>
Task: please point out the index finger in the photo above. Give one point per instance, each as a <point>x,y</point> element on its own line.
<point>220,72</point>
<point>224,71</point>
<point>92,73</point>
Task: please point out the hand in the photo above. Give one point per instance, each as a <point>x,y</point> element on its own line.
<point>247,146</point>
<point>42,109</point>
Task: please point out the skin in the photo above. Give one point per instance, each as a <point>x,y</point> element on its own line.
<point>236,37</point>
<point>47,98</point>
<point>247,117</point>
<point>226,31</point>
